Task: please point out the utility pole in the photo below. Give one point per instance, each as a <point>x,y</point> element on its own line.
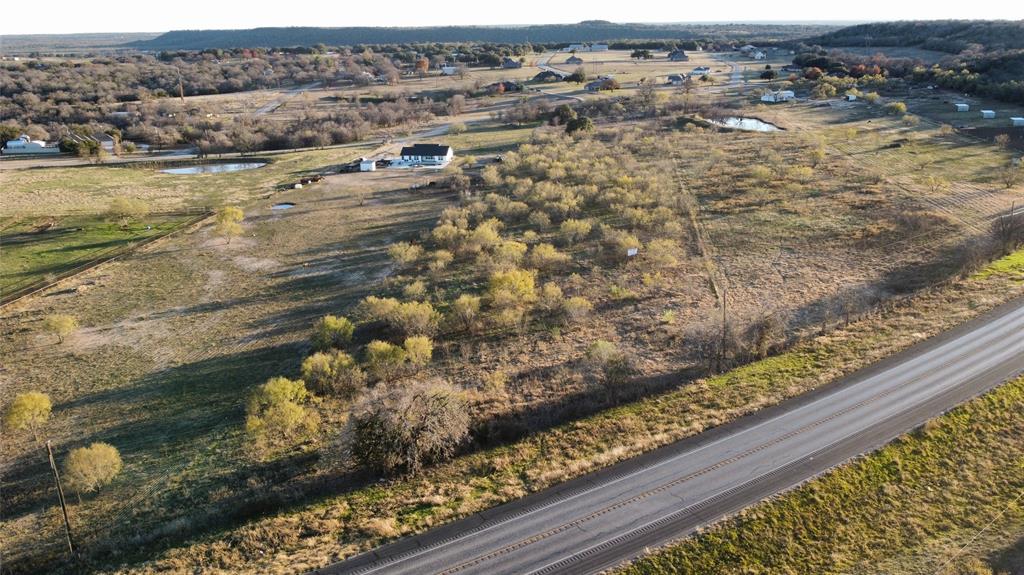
<point>60,496</point>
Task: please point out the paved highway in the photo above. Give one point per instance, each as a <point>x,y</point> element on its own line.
<point>598,521</point>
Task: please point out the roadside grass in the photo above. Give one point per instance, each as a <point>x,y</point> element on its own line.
<point>905,509</point>
<point>339,526</point>
<point>29,254</point>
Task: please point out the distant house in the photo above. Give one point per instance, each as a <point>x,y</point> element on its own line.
<point>851,97</point>
<point>599,47</point>
<point>988,114</point>
<point>26,145</point>
<point>574,60</point>
<point>366,165</point>
<point>575,48</point>
<point>550,76</point>
<point>448,70</point>
<point>676,79</point>
<point>759,55</point>
<point>504,86</point>
<point>678,56</point>
<point>778,96</point>
<point>962,107</point>
<point>602,84</point>
<point>700,71</point>
<point>511,63</point>
<point>1017,121</point>
<point>427,155</point>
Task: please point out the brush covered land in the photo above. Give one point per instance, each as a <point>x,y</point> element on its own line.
<point>507,288</point>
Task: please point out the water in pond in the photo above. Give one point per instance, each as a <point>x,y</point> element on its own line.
<point>283,206</point>
<point>214,168</point>
<point>748,124</point>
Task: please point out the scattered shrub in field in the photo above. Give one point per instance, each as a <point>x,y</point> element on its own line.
<point>415,290</point>
<point>1010,175</point>
<point>86,469</point>
<point>494,382</point>
<point>405,253</point>
<point>610,360</point>
<point>418,350</point>
<point>229,222</point>
<point>530,236</point>
<point>383,359</point>
<point>539,220</point>
<point>467,309</point>
<point>276,416</point>
<point>512,288</point>
<point>896,108</point>
<point>439,260</point>
<point>447,235</point>
<point>29,411</point>
<point>619,293</point>
<point>374,308</point>
<point>508,254</point>
<point>334,373</point>
<point>60,325</point>
<point>550,299</point>
<point>946,130</point>
<point>573,230</point>
<point>1002,140</point>
<point>910,120</point>
<point>823,90</point>
<point>127,210</point>
<point>546,257</point>
<point>802,174</point>
<point>615,244</point>
<point>761,174</point>
<point>331,331</point>
<point>399,429</point>
<point>415,318</point>
<point>661,253</point>
<point>576,308</point>
<point>485,236</point>
<point>456,128</point>
<point>872,97</point>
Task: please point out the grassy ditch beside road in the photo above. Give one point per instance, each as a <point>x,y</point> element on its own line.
<point>339,526</point>
<point>944,499</point>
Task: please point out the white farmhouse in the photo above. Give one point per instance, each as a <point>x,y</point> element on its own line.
<point>759,55</point>
<point>988,114</point>
<point>447,70</point>
<point>427,155</point>
<point>366,165</point>
<point>963,107</point>
<point>778,96</point>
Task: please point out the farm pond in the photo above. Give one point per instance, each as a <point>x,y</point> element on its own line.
<point>214,168</point>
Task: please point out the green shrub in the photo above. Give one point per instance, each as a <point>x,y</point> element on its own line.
<point>331,332</point>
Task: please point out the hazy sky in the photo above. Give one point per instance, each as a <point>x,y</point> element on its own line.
<point>63,16</point>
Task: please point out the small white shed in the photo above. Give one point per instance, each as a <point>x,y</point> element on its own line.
<point>1017,121</point>
<point>988,114</point>
<point>367,165</point>
<point>851,97</point>
<point>962,107</point>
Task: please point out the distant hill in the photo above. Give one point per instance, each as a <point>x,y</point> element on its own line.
<point>591,31</point>
<point>59,43</point>
<point>950,36</point>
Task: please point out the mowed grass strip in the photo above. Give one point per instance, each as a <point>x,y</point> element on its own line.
<point>30,252</point>
<point>336,527</point>
<point>912,507</point>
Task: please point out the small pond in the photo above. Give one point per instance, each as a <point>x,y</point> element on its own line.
<point>282,206</point>
<point>214,168</point>
<point>748,124</point>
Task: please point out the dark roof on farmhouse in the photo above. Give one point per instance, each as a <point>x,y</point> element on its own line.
<point>426,150</point>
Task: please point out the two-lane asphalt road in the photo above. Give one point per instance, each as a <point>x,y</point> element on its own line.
<point>600,520</point>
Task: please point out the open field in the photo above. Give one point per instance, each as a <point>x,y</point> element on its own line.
<point>33,248</point>
<point>942,500</point>
<point>927,56</point>
<point>89,189</point>
<point>810,224</point>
